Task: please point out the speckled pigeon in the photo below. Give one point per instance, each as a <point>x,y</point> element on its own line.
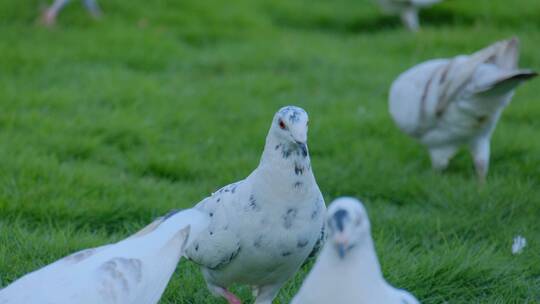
<point>133,271</point>
<point>347,271</point>
<point>448,103</point>
<point>264,227</point>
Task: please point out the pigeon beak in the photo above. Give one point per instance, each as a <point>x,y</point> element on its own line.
<point>342,243</point>
<point>341,250</point>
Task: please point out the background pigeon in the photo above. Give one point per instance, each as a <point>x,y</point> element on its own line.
<point>347,270</point>
<point>49,16</point>
<point>407,9</point>
<point>264,227</point>
<point>447,103</point>
<point>133,271</point>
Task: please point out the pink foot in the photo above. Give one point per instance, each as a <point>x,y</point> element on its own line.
<point>48,18</point>
<point>231,298</point>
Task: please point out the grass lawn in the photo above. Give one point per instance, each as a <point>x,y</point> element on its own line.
<point>106,125</point>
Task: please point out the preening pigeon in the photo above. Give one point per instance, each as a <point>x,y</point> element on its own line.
<point>264,227</point>
<point>347,270</point>
<point>133,271</point>
<point>49,16</point>
<point>407,9</point>
<point>448,103</point>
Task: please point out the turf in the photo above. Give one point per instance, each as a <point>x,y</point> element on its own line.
<point>106,125</point>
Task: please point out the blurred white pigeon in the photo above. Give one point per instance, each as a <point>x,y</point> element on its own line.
<point>347,271</point>
<point>265,226</point>
<point>448,103</point>
<point>49,16</point>
<point>133,271</point>
<point>407,9</point>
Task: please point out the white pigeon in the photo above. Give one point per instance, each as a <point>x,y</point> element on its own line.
<point>407,9</point>
<point>50,14</point>
<point>347,270</point>
<point>448,103</point>
<point>264,227</point>
<point>133,271</point>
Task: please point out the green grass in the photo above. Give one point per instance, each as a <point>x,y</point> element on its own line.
<point>104,126</point>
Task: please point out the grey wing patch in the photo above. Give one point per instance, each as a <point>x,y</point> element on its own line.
<point>118,277</point>
<point>80,256</point>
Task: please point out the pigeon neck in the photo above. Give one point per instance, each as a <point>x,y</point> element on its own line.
<point>360,265</point>
<point>286,158</point>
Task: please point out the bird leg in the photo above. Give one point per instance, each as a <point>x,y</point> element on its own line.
<point>480,151</point>
<point>231,298</point>
<point>93,8</point>
<point>49,16</point>
<point>410,18</point>
<point>440,156</point>
<point>267,293</point>
<point>220,291</point>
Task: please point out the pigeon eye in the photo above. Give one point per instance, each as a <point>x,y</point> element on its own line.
<point>282,125</point>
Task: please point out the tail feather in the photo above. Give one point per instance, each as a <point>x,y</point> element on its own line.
<point>458,72</point>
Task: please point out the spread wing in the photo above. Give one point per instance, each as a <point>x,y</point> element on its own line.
<point>217,245</point>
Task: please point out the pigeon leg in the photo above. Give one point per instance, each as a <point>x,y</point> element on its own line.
<point>267,293</point>
<point>480,150</point>
<point>440,156</point>
<point>410,19</point>
<point>93,8</point>
<point>49,16</point>
<point>229,296</point>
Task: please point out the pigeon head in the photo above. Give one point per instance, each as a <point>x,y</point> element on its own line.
<point>348,224</point>
<point>290,124</point>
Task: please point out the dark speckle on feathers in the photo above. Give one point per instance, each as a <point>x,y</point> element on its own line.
<point>315,212</point>
<point>298,169</point>
<point>319,244</point>
<point>285,153</point>
<point>481,120</point>
<point>228,259</point>
<point>289,217</point>
<point>297,185</point>
<point>295,116</point>
<point>79,256</point>
<point>253,203</point>
<point>257,242</point>
<point>302,243</point>
<point>303,148</point>
<point>286,253</point>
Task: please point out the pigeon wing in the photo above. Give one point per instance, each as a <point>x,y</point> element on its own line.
<point>217,245</point>
<point>458,72</point>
